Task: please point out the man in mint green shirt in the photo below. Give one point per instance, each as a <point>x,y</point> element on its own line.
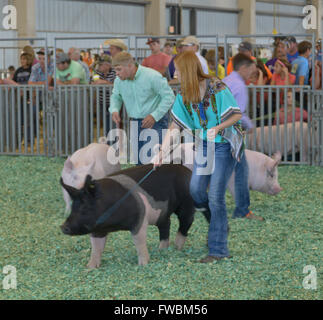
<point>69,71</point>
<point>147,98</point>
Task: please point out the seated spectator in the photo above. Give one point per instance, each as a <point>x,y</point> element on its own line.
<point>171,66</point>
<point>300,66</point>
<point>69,71</point>
<point>38,75</point>
<point>105,74</point>
<point>282,75</point>
<point>75,55</point>
<point>292,48</point>
<point>168,48</point>
<point>23,73</point>
<point>11,71</point>
<point>158,60</point>
<point>290,112</point>
<point>210,58</point>
<point>246,48</point>
<point>191,43</point>
<point>31,52</point>
<point>115,46</point>
<point>279,53</point>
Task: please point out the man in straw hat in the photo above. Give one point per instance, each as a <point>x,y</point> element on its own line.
<point>116,46</point>
<point>147,98</point>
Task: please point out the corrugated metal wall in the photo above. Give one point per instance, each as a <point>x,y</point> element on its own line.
<point>89,17</point>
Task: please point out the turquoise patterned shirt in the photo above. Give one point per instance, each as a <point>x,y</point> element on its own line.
<point>217,106</point>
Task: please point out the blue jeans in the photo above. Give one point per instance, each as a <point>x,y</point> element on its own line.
<point>221,162</point>
<point>148,135</point>
<point>241,188</point>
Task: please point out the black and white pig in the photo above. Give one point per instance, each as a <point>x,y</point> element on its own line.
<point>164,191</point>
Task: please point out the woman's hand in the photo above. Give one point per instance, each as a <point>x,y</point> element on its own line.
<point>212,133</point>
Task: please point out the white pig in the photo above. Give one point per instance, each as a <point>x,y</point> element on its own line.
<point>93,160</point>
<point>263,172</point>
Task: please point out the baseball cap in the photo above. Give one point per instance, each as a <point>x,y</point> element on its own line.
<point>179,43</point>
<point>245,46</point>
<point>62,57</point>
<point>117,43</point>
<point>290,39</point>
<point>190,40</point>
<point>150,40</point>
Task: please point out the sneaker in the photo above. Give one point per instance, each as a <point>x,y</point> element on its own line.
<point>209,259</point>
<point>252,216</point>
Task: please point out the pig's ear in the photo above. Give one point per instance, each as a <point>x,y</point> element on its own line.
<point>277,158</point>
<point>89,185</point>
<point>74,193</point>
<point>68,164</point>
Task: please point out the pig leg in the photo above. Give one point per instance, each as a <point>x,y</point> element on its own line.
<point>185,216</point>
<point>164,233</point>
<point>97,249</point>
<point>140,241</point>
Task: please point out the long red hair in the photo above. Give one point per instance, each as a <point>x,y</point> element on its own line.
<point>190,68</point>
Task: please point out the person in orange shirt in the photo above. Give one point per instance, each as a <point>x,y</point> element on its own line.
<point>157,60</point>
<point>246,48</point>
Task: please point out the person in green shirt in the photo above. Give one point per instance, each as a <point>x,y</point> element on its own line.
<point>69,71</point>
<point>147,98</point>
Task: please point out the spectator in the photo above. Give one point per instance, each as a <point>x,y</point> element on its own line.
<point>69,71</point>
<point>210,58</point>
<point>105,75</point>
<point>318,75</point>
<point>246,49</point>
<point>292,48</point>
<point>116,46</point>
<point>146,95</point>
<point>290,112</point>
<point>75,55</point>
<point>279,53</point>
<point>300,66</point>
<point>260,76</point>
<point>22,74</point>
<point>168,48</point>
<point>158,60</point>
<point>11,71</point>
<point>282,75</point>
<point>88,58</point>
<point>38,75</point>
<point>191,43</point>
<point>171,66</point>
<point>318,50</point>
<point>31,52</point>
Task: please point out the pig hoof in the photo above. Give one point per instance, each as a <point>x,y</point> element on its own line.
<point>93,264</point>
<point>164,244</point>
<point>179,241</point>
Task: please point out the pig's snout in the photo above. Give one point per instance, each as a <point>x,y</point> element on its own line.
<point>66,229</point>
<point>276,189</point>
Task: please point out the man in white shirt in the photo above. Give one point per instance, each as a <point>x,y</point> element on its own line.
<point>191,43</point>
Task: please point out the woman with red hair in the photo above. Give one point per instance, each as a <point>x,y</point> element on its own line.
<point>206,105</point>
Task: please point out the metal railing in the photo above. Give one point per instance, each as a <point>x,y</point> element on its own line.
<point>76,115</point>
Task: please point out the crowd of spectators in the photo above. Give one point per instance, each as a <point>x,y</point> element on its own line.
<point>290,64</point>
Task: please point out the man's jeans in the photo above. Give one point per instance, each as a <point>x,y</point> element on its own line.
<point>221,162</point>
<point>150,137</point>
<point>241,188</point>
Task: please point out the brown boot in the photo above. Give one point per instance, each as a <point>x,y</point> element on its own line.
<point>209,259</point>
<point>252,216</point>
